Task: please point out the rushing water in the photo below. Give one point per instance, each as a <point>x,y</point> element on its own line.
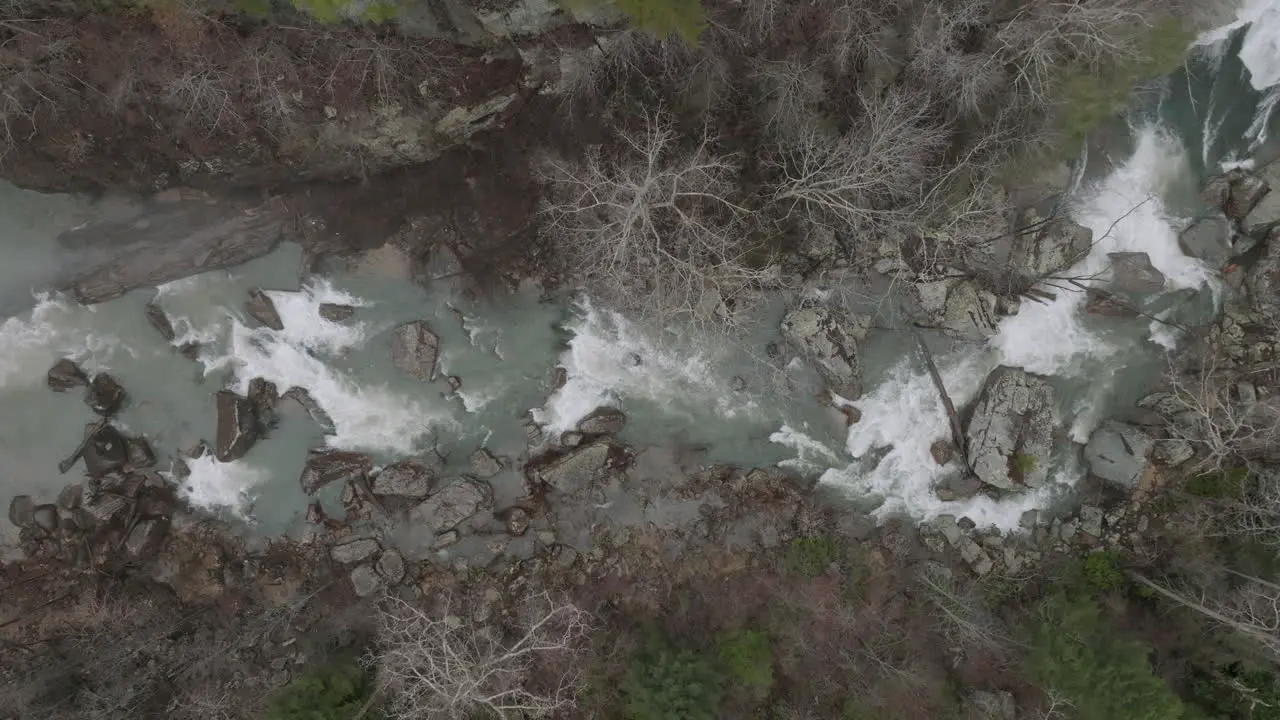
<point>727,403</point>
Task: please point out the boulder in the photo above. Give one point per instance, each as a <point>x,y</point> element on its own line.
<point>328,466</point>
<point>1100,302</point>
<point>1172,452</point>
<point>1263,280</point>
<point>333,312</point>
<point>405,478</point>
<point>603,421</point>
<point>454,503</point>
<point>237,426</point>
<point>999,705</point>
<point>575,471</point>
<point>303,399</point>
<point>21,510</point>
<point>1091,518</point>
<point>958,487</point>
<point>1133,272</point>
<point>365,580</point>
<point>144,537</point>
<point>45,517</point>
<point>1265,215</point>
<point>159,320</point>
<point>105,396</point>
<point>65,375</point>
<point>830,344</point>
<point>1208,239</point>
<point>263,397</point>
<point>391,566</point>
<point>1247,191</point>
<point>106,451</point>
<point>484,464</point>
<point>1010,433</point>
<point>517,521</point>
<point>414,349</point>
<point>959,307</point>
<point>1117,453</point>
<point>1055,245</point>
<point>140,454</point>
<point>354,551</point>
<point>261,308</point>
<point>942,451</point>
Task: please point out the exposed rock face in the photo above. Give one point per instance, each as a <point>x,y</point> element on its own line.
<point>334,312</point>
<point>354,551</point>
<point>1010,434</point>
<point>830,343</point>
<point>405,479</point>
<point>178,240</point>
<point>261,308</point>
<point>1057,245</point>
<point>328,466</point>
<point>575,471</point>
<point>414,348</point>
<point>160,321</point>
<point>1117,453</point>
<point>454,503</point>
<point>484,464</point>
<point>106,451</point>
<point>105,396</point>
<point>1208,239</point>
<point>237,426</point>
<point>1133,272</point>
<point>65,375</point>
<point>959,307</point>
<point>603,421</point>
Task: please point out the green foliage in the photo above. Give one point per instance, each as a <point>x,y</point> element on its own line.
<point>1223,485</point>
<point>810,556</point>
<point>1102,572</point>
<point>1233,691</point>
<point>746,659</point>
<point>667,682</point>
<point>854,709</point>
<point>663,18</point>
<point>337,692</point>
<point>1024,464</point>
<point>253,8</point>
<point>1075,652</point>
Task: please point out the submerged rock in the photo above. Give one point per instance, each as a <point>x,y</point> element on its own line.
<point>414,349</point>
<point>405,478</point>
<point>456,502</point>
<point>484,464</point>
<point>1133,272</point>
<point>830,344</point>
<point>1117,453</point>
<point>1056,245</point>
<point>576,470</point>
<point>261,308</point>
<point>603,421</point>
<point>1010,434</point>
<point>105,396</point>
<point>65,375</point>
<point>333,312</point>
<point>160,321</point>
<point>237,426</point>
<point>21,510</point>
<point>327,466</point>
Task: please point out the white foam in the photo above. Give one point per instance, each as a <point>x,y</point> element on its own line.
<point>214,485</point>
<point>1125,214</point>
<point>304,326</point>
<point>53,329</point>
<point>678,376</point>
<point>812,456</point>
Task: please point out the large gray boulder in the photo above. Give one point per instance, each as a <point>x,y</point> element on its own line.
<point>1010,434</point>
<point>454,503</point>
<point>414,349</point>
<point>959,307</point>
<point>1247,190</point>
<point>405,478</point>
<point>1265,215</point>
<point>237,426</point>
<point>261,308</point>
<point>1117,453</point>
<point>830,344</point>
<point>1133,272</point>
<point>66,375</point>
<point>1208,239</point>
<point>603,421</point>
<point>1056,245</point>
<point>354,551</point>
<point>365,581</point>
<point>328,466</point>
<point>106,395</point>
<point>576,470</point>
<point>303,399</point>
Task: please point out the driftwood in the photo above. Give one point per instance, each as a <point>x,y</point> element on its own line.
<point>957,429</point>
<point>93,431</point>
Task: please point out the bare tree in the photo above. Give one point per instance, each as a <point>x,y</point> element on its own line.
<point>656,231</point>
<point>791,91</point>
<point>445,668</point>
<point>962,612</point>
<point>872,176</point>
<point>1250,607</point>
<point>1228,431</point>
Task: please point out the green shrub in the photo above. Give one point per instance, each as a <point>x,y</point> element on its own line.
<point>684,19</point>
<point>1223,485</point>
<point>811,556</point>
<point>746,660</point>
<point>1233,691</point>
<point>1102,572</point>
<point>1024,464</point>
<point>666,682</point>
<point>337,692</point>
<point>1105,677</point>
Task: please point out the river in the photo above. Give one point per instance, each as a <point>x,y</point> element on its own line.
<point>726,403</point>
